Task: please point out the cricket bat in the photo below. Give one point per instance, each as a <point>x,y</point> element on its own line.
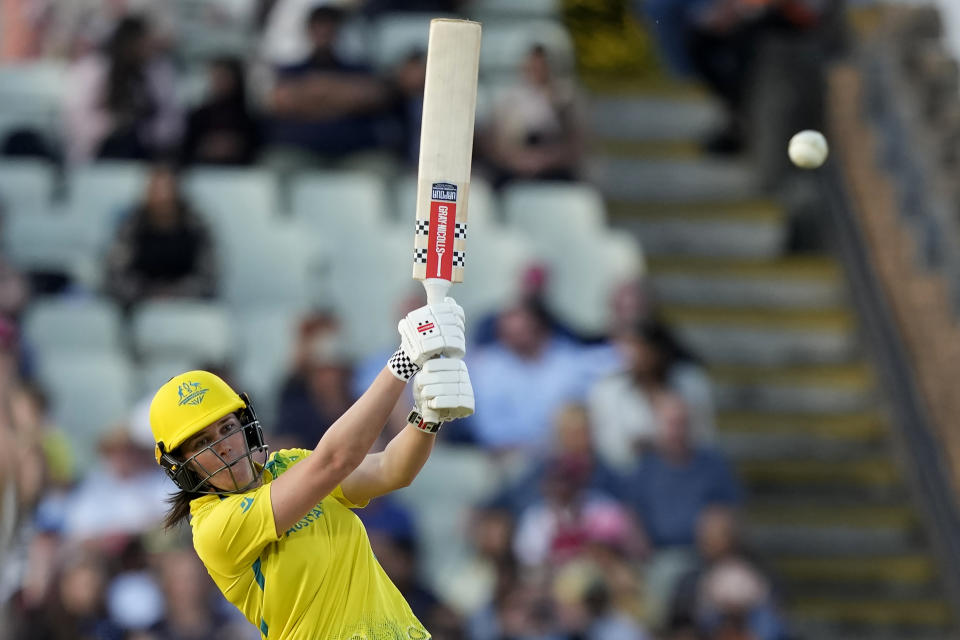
<point>446,149</point>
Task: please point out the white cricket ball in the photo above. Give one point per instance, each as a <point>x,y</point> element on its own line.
<point>808,149</point>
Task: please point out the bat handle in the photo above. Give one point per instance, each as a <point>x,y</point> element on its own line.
<point>436,289</point>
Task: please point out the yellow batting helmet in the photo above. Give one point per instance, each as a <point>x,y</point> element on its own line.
<point>186,404</point>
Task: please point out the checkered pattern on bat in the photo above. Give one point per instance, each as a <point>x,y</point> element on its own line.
<point>459,257</point>
<point>423,227</point>
<point>420,256</point>
<point>460,230</point>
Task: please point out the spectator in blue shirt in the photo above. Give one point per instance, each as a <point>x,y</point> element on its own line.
<point>525,376</point>
<point>675,481</point>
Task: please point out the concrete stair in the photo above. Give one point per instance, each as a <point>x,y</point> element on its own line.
<point>763,336</point>
<point>784,283</point>
<point>828,509</point>
<point>734,229</point>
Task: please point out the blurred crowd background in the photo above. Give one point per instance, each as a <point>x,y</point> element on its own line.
<point>228,184</point>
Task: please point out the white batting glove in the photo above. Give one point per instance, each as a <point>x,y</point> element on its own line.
<point>427,332</point>
<point>442,391</point>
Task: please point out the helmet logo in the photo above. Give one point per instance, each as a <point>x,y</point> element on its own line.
<point>191,393</point>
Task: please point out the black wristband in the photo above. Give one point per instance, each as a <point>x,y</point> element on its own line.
<point>417,420</point>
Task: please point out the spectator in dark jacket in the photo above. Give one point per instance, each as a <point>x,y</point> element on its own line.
<point>223,130</point>
<point>325,107</point>
<point>163,249</point>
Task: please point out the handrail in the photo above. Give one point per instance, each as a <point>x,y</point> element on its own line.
<point>928,473</point>
<point>892,106</point>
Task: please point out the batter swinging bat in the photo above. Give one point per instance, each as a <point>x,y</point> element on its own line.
<point>446,148</point>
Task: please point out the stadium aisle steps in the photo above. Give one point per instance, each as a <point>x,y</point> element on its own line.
<point>829,511</point>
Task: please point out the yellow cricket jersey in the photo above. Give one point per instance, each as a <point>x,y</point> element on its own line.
<point>318,581</point>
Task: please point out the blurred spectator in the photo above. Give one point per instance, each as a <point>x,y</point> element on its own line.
<point>121,102</point>
<point>585,607</point>
<point>621,406</point>
<point>720,40</point>
<point>398,557</point>
<point>14,290</point>
<point>285,41</point>
<point>134,600</point>
<point>571,438</point>
<point>536,130</point>
<point>21,22</point>
<point>318,390</point>
<point>410,78</point>
<point>223,130</point>
<point>676,479</point>
<point>373,8</point>
<point>163,249</point>
<point>558,528</point>
<point>74,29</point>
<point>526,375</point>
<point>11,491</point>
<point>194,608</point>
<point>122,495</point>
<point>324,107</point>
<point>727,590</point>
<point>521,608</point>
<point>672,484</point>
<point>78,607</point>
<point>31,409</point>
<point>394,541</point>
<point>631,304</point>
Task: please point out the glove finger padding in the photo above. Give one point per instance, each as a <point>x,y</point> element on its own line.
<point>433,330</point>
<point>442,390</point>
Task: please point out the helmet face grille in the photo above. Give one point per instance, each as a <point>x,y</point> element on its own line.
<point>192,476</point>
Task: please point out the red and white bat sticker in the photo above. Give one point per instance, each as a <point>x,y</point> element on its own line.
<point>443,216</point>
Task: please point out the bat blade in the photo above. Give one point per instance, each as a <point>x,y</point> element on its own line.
<point>446,149</point>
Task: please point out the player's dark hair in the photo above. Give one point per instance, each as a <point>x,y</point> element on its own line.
<point>179,508</point>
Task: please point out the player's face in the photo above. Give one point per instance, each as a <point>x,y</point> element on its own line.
<point>218,444</point>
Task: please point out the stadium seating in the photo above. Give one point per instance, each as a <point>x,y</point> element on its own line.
<point>367,280</point>
<point>52,243</point>
<point>74,326</point>
<point>227,197</point>
<point>264,340</point>
<point>152,373</point>
<point>339,203</point>
<point>584,275</point>
<point>507,42</point>
<point>215,27</point>
<point>101,194</point>
<point>26,187</point>
<point>553,210</point>
<point>395,36</point>
<point>280,265</point>
<point>90,392</point>
<point>483,211</point>
<point>182,329</point>
<point>495,261</point>
<point>31,93</point>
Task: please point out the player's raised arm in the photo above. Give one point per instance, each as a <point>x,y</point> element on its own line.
<point>442,392</point>
<point>426,332</point>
